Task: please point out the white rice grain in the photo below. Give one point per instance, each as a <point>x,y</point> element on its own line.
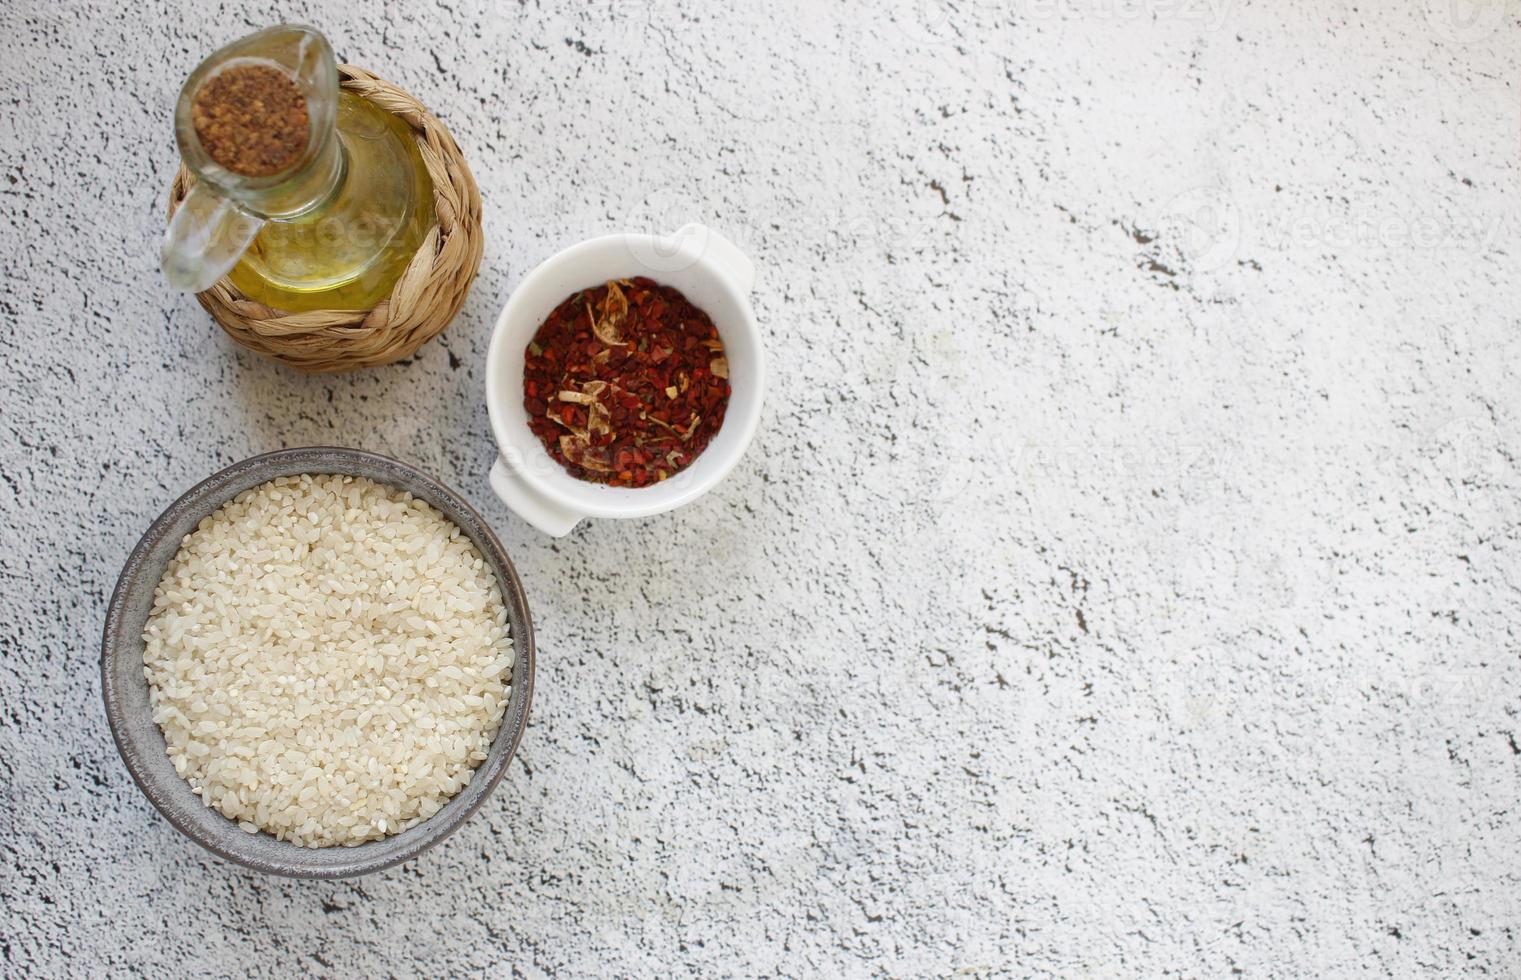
<point>328,659</point>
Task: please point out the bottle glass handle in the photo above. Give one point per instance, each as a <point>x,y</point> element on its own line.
<point>205,238</point>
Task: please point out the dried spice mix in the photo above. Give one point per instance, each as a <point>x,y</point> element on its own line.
<point>626,383</point>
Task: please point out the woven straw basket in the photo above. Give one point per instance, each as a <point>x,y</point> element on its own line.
<point>427,295</point>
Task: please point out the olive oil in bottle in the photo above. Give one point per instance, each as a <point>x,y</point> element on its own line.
<point>348,252</point>
<point>307,196</point>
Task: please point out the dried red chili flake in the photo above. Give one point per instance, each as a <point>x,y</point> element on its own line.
<point>626,383</point>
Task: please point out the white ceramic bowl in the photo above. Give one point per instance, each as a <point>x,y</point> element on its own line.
<point>710,272</point>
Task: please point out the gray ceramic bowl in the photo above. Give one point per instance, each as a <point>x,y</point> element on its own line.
<point>142,744</point>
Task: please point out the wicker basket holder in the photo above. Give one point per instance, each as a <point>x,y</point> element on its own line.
<point>428,294</point>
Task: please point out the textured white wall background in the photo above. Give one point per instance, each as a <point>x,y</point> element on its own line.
<point>1124,580</point>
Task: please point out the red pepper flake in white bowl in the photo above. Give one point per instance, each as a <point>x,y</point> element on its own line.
<point>626,383</point>
<point>624,378</point>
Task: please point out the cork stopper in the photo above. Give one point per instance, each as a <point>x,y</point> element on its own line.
<point>251,119</point>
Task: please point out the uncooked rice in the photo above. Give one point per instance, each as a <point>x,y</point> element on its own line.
<point>328,658</point>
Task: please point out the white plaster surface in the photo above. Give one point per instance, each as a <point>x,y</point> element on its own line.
<point>1124,581</point>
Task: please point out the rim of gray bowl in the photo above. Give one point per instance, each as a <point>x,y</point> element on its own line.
<point>141,743</point>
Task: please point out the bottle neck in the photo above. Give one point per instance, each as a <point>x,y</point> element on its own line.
<point>309,190</point>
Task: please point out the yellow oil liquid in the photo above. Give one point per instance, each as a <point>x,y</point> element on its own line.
<point>348,253</point>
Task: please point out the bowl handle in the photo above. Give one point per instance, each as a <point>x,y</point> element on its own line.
<point>731,262</point>
<point>548,517</point>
